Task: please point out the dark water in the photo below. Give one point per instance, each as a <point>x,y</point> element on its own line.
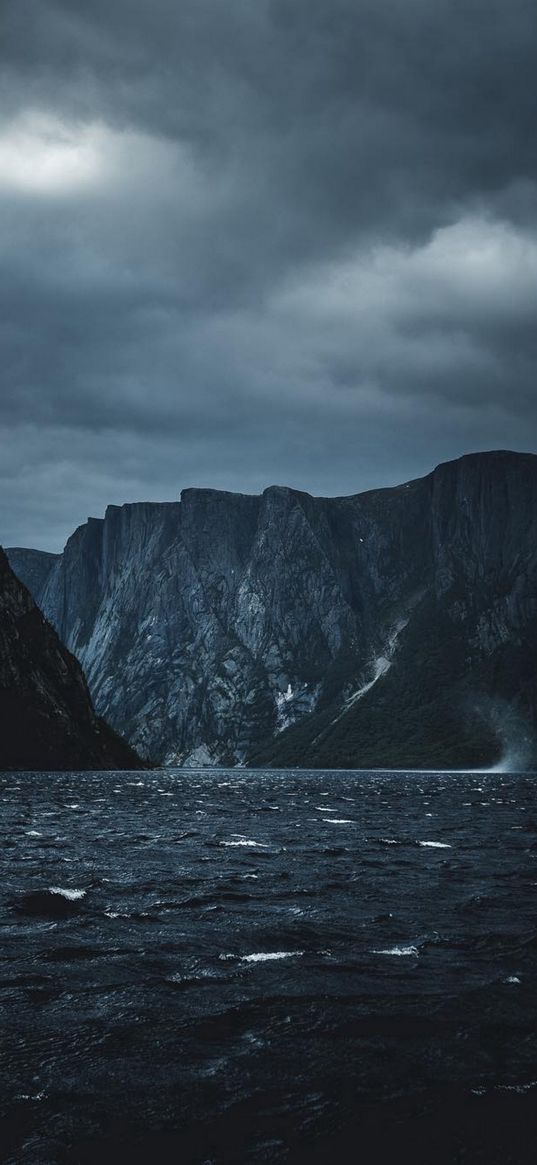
<point>269,967</point>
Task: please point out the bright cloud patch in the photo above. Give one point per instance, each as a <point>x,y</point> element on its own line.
<point>42,155</point>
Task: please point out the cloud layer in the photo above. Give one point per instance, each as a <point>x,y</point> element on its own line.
<point>247,241</point>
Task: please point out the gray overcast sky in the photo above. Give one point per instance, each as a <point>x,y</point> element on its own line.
<point>258,241</point>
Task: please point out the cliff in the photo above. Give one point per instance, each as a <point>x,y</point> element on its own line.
<point>396,627</point>
<point>46,714</point>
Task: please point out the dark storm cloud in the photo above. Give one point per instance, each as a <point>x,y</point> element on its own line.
<point>246,241</point>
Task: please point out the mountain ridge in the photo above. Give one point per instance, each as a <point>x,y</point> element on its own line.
<point>48,722</point>
<point>255,622</point>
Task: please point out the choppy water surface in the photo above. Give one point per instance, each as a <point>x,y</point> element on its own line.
<point>246,966</point>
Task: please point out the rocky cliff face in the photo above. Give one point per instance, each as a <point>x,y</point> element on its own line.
<point>47,720</point>
<point>396,627</point>
<point>32,566</point>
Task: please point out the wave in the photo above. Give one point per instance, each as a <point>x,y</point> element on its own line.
<point>71,895</point>
<point>244,841</point>
<point>338,821</point>
<point>402,951</point>
<point>270,956</point>
<point>55,902</point>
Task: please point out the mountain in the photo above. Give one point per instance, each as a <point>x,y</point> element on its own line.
<point>32,566</point>
<point>394,628</point>
<point>47,718</point>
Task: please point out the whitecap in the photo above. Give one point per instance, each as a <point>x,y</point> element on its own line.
<point>33,833</point>
<point>401,951</point>
<point>338,821</point>
<point>244,841</point>
<point>512,979</point>
<point>435,844</point>
<point>521,1088</point>
<point>270,956</point>
<point>71,895</point>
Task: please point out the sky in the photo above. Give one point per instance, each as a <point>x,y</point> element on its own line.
<point>247,242</point>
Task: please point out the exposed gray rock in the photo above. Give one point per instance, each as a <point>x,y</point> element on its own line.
<point>32,567</point>
<point>312,630</point>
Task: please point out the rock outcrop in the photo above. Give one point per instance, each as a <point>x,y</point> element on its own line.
<point>32,567</point>
<point>397,627</point>
<point>46,716</point>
